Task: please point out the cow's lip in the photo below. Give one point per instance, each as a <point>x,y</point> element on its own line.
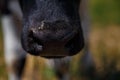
<point>51,49</point>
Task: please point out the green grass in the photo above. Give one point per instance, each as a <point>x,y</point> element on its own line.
<point>105,11</point>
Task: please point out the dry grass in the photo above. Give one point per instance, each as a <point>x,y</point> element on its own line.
<point>105,42</point>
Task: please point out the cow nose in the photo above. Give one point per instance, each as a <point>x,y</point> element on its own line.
<point>50,30</point>
<point>48,37</point>
<point>46,34</point>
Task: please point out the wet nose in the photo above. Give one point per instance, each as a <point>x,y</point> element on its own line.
<point>49,31</point>
<point>48,37</point>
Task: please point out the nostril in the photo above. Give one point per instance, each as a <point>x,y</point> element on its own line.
<point>32,31</point>
<point>33,38</point>
<point>31,34</point>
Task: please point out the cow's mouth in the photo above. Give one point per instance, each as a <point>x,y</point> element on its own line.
<point>48,49</point>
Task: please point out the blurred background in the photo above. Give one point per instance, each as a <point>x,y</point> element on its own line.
<point>104,47</point>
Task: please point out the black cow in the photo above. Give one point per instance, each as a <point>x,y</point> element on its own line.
<point>51,29</point>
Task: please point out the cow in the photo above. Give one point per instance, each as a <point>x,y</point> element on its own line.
<point>50,29</point>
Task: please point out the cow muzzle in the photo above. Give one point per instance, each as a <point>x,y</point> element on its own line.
<point>48,39</point>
